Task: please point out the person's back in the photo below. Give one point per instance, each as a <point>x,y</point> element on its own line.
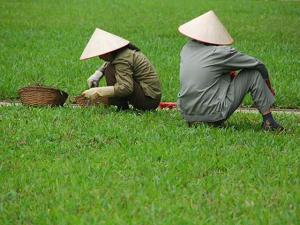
<point>143,71</point>
<point>203,86</point>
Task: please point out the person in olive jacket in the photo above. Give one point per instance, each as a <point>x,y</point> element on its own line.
<point>215,77</point>
<point>130,77</point>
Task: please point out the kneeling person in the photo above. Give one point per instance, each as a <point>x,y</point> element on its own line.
<point>130,77</point>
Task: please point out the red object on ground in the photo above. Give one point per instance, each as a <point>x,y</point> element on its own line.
<point>167,105</point>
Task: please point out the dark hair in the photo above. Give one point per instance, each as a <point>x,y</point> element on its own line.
<point>132,47</point>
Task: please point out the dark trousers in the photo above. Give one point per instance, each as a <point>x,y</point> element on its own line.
<point>137,98</point>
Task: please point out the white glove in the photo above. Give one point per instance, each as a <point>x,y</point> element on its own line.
<point>94,79</point>
<point>108,91</point>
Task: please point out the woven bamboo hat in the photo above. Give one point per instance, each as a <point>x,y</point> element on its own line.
<point>207,28</point>
<point>101,43</point>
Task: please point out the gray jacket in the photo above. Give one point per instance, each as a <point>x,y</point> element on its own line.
<point>204,79</point>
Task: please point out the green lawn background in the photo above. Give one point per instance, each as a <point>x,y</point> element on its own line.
<point>41,41</point>
<point>96,166</point>
<point>99,166</point>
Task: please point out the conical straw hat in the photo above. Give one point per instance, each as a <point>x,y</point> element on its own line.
<point>101,43</point>
<point>207,28</point>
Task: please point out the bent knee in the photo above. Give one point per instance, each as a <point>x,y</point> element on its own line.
<point>251,74</point>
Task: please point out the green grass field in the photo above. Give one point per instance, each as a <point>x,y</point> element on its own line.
<point>98,166</point>
<point>41,41</point>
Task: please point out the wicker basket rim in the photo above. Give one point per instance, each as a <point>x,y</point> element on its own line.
<point>37,88</point>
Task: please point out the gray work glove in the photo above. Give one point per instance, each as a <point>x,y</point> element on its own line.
<point>93,80</point>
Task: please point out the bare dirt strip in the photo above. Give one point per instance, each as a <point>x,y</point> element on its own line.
<point>8,103</point>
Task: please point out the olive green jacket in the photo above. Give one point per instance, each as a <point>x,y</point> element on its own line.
<point>131,65</point>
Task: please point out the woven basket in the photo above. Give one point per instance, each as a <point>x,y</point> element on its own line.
<point>85,102</point>
<point>42,96</point>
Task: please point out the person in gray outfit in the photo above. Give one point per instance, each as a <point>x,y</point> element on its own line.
<point>215,77</point>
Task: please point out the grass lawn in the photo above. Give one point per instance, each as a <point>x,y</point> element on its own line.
<point>98,166</point>
<point>41,41</point>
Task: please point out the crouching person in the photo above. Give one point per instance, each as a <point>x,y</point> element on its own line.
<point>210,88</point>
<point>130,77</point>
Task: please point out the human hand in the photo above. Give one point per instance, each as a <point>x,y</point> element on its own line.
<point>232,74</point>
<point>90,93</point>
<point>93,80</point>
<point>101,91</point>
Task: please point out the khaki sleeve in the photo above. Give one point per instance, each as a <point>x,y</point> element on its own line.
<point>124,79</point>
<point>231,59</point>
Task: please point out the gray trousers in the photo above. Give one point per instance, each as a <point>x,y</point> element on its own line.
<point>249,81</point>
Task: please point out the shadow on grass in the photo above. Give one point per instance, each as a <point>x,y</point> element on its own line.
<point>245,126</point>
<point>256,127</point>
